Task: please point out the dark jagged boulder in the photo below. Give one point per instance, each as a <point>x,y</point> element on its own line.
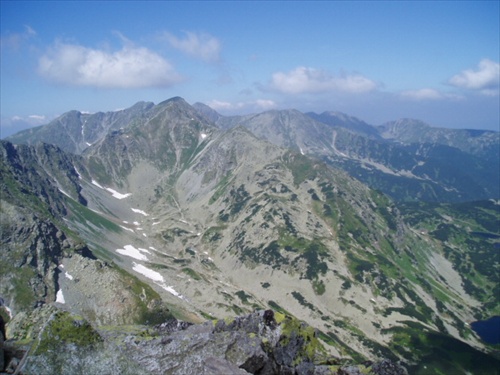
<point>387,367</point>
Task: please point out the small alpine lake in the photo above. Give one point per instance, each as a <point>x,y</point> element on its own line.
<point>488,330</point>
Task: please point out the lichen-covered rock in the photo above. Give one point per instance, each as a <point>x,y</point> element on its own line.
<point>387,367</point>
<point>349,370</point>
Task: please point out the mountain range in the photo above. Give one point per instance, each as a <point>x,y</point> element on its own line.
<point>382,238</point>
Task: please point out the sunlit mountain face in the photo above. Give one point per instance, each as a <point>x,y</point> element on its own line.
<point>383,239</point>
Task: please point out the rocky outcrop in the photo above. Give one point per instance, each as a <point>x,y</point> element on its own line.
<point>263,343</point>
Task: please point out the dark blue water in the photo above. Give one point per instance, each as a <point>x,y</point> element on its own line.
<point>488,330</point>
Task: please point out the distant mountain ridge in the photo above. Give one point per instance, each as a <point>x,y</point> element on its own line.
<point>445,165</point>
<point>476,142</point>
<point>75,131</point>
<point>406,159</point>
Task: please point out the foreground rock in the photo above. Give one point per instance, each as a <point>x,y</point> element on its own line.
<point>263,343</point>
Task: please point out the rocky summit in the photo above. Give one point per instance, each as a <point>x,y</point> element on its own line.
<point>146,240</point>
<point>263,342</point>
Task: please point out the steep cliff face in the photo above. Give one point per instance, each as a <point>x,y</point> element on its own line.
<point>43,262</point>
<point>31,251</point>
<point>37,177</point>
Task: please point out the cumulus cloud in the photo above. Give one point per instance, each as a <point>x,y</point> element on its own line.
<point>129,67</point>
<point>199,45</point>
<point>310,80</point>
<point>428,94</point>
<point>253,105</point>
<point>485,78</point>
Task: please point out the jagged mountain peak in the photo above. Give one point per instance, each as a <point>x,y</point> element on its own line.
<point>175,99</point>
<point>75,131</point>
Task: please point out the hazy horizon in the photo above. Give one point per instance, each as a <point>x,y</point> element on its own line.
<point>378,61</point>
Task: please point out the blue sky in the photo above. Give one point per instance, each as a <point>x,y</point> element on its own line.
<point>378,61</point>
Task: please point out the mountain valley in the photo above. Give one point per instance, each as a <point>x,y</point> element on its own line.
<point>384,239</point>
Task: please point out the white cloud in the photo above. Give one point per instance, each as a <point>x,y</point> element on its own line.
<point>428,94</point>
<point>310,80</point>
<point>422,94</point>
<point>15,40</point>
<point>130,67</point>
<point>37,117</point>
<point>32,119</point>
<point>13,124</point>
<point>265,103</point>
<point>200,45</point>
<point>254,105</point>
<point>220,105</point>
<point>485,78</point>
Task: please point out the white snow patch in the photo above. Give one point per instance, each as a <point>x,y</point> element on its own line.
<point>88,144</point>
<point>301,151</point>
<point>136,223</point>
<point>118,195</point>
<point>132,252</point>
<point>183,221</point>
<point>139,211</point>
<point>150,274</point>
<point>115,194</point>
<point>144,234</point>
<point>125,222</point>
<point>66,194</point>
<point>94,182</point>
<point>172,291</point>
<point>156,223</point>
<point>203,135</point>
<point>78,173</point>
<point>155,276</point>
<point>152,248</point>
<point>68,276</point>
<point>60,296</point>
<point>130,230</point>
